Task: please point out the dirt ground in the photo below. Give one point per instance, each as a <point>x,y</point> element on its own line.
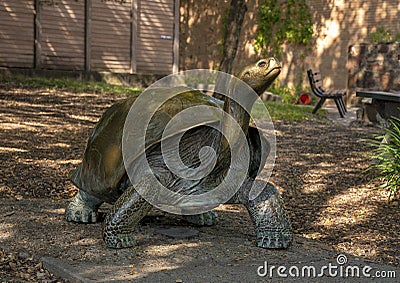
<point>319,170</point>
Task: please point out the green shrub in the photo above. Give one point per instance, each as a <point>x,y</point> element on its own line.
<point>383,35</point>
<point>386,157</point>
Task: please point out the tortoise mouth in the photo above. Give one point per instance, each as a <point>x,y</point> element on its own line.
<point>274,72</point>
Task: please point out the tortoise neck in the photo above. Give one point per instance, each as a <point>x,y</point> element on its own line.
<point>234,111</point>
<point>237,108</point>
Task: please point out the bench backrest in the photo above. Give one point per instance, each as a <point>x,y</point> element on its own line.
<point>315,79</point>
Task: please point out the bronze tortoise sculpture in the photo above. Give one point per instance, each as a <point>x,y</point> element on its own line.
<point>102,175</point>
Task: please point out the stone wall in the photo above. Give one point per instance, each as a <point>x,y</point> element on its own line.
<point>374,67</point>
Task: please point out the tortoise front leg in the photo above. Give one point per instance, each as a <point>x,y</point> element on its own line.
<point>83,208</point>
<point>269,217</point>
<point>125,214</point>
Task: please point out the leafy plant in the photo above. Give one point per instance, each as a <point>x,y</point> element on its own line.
<point>283,21</point>
<point>383,35</point>
<point>386,156</point>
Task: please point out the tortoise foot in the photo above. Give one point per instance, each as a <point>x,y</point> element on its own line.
<point>205,219</point>
<point>81,214</point>
<point>83,209</point>
<point>119,241</point>
<point>270,219</point>
<point>274,240</point>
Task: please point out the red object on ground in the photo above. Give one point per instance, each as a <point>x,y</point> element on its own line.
<point>304,98</point>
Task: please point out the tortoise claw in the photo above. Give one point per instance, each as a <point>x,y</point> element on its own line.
<point>83,208</point>
<point>274,240</point>
<point>81,214</point>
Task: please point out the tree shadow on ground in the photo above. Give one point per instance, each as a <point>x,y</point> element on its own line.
<point>321,170</point>
<point>43,134</point>
<point>318,168</point>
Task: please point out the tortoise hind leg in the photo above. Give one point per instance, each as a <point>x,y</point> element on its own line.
<point>125,214</point>
<point>83,208</point>
<point>270,219</point>
<point>208,218</point>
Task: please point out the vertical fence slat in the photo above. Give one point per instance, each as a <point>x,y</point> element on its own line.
<point>111,39</point>
<point>175,66</point>
<point>88,34</point>
<point>38,35</point>
<point>138,36</point>
<point>134,19</point>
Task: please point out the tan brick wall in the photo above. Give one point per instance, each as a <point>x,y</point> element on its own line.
<point>337,25</point>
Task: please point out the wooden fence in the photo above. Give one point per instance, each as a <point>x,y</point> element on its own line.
<point>131,36</point>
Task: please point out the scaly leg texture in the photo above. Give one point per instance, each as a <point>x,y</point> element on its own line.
<point>83,208</point>
<point>125,214</point>
<point>270,219</point>
<point>208,218</point>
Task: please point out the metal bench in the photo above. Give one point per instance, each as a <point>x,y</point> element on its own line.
<point>315,78</point>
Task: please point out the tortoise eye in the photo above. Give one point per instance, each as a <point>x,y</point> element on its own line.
<point>262,63</point>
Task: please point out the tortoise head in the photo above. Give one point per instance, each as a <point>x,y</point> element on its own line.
<point>261,74</point>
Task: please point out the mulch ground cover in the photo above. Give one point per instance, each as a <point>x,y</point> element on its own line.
<point>319,168</point>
